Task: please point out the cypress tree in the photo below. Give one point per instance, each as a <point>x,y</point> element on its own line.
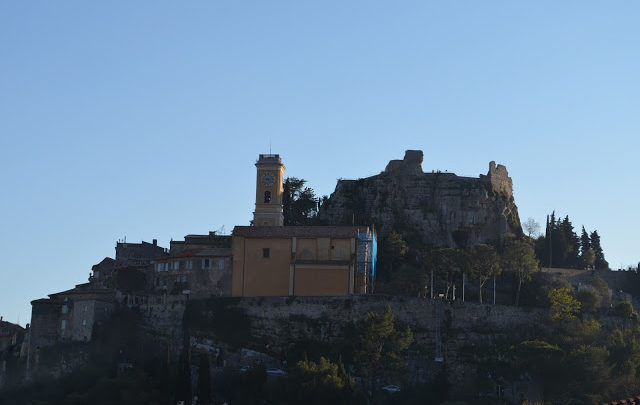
<point>183,378</point>
<point>572,244</point>
<point>547,259</point>
<point>204,380</point>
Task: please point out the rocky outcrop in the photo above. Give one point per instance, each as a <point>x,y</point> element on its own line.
<point>442,208</point>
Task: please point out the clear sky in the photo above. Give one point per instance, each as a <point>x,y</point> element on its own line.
<point>144,119</point>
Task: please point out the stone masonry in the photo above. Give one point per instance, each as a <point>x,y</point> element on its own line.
<point>443,208</point>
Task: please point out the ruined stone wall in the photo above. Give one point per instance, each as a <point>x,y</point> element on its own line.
<point>444,209</point>
<point>500,179</point>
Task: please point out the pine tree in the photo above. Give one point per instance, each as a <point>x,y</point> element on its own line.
<point>585,242</point>
<point>601,263</point>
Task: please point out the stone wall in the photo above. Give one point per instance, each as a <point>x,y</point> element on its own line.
<point>277,323</point>
<point>444,209</point>
<point>268,314</point>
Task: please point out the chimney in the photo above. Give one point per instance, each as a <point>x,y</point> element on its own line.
<point>155,242</point>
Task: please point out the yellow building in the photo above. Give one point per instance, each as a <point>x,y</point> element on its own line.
<point>272,259</point>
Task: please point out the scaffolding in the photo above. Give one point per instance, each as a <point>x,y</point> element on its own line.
<point>367,252</point>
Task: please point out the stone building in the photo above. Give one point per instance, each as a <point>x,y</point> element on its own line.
<point>197,272</point>
<point>270,259</point>
<point>192,241</point>
<point>102,274</point>
<point>11,334</point>
<point>138,254</point>
<point>68,316</point>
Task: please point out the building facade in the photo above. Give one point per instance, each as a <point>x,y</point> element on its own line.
<point>196,272</point>
<point>270,259</point>
<point>68,316</point>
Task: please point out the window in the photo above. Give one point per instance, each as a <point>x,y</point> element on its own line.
<point>267,196</point>
<point>189,264</point>
<point>206,263</point>
<point>220,264</point>
<point>64,309</point>
<point>84,322</point>
<point>176,265</point>
<point>63,324</point>
<point>266,253</point>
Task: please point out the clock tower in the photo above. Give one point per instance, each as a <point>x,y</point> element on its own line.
<point>269,191</point>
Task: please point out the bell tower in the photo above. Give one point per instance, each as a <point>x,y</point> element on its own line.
<point>270,172</point>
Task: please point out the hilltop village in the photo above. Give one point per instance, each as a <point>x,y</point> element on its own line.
<point>270,292</point>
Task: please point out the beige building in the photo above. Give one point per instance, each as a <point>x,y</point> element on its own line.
<point>272,259</point>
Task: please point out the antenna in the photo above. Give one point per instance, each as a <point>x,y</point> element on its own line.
<point>269,145</point>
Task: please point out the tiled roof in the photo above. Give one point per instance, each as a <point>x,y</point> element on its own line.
<point>298,231</point>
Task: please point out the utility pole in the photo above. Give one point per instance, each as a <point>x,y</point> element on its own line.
<point>438,358</point>
<point>431,292</point>
<point>494,289</point>
<point>463,280</point>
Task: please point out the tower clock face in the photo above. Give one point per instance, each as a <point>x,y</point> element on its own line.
<point>268,179</point>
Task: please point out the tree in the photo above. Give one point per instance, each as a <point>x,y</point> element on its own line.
<point>588,258</point>
<point>183,379</point>
<point>589,299</point>
<point>540,359</point>
<point>322,382</point>
<point>585,241</point>
<point>379,347</point>
<point>299,203</point>
<point>394,249</point>
<point>204,380</point>
<point>602,288</point>
<point>563,305</point>
<point>572,244</point>
<point>532,227</point>
<point>600,262</point>
<point>589,374</point>
<point>446,265</point>
<point>561,246</point>
<point>483,264</point>
<point>624,309</point>
<point>519,259</point>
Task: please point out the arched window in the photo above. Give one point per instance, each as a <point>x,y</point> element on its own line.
<point>267,196</point>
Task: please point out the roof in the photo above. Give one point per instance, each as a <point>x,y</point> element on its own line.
<point>206,252</point>
<point>76,291</point>
<point>9,328</point>
<point>298,231</point>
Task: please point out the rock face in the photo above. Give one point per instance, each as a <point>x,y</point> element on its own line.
<point>441,208</point>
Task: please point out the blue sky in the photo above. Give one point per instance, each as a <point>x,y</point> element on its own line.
<point>144,119</point>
